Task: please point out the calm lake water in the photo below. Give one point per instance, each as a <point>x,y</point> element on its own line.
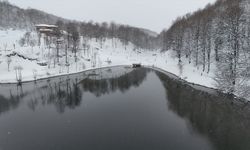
<point>120,109</point>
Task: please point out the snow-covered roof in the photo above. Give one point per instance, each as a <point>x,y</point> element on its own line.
<point>46,25</point>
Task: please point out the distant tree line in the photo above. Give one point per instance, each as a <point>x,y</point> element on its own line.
<point>14,17</point>
<point>103,31</point>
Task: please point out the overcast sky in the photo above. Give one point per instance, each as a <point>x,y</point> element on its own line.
<point>151,14</point>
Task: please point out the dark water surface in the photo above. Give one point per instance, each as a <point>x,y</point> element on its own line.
<point>120,109</point>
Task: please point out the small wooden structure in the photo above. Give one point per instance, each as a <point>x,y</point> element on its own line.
<point>47,32</point>
<point>46,29</point>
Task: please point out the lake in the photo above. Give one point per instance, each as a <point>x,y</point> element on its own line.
<point>120,108</point>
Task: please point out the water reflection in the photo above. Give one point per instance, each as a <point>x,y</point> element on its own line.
<point>224,120</point>
<point>8,104</point>
<point>67,92</point>
<point>123,83</point>
<point>140,109</point>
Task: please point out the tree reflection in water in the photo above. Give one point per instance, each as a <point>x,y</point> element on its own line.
<point>225,121</point>
<point>123,83</point>
<point>67,92</point>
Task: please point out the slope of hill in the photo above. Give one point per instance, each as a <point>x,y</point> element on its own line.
<point>14,17</point>
<point>149,32</point>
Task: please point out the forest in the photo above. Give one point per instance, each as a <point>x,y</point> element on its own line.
<point>218,34</point>
<point>14,17</point>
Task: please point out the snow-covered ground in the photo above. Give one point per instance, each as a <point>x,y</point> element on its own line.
<point>97,56</point>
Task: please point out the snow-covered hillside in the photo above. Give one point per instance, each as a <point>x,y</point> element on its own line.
<point>31,60</point>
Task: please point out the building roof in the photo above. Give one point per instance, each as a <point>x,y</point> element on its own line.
<point>46,25</point>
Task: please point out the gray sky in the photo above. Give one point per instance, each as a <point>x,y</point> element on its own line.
<point>151,14</point>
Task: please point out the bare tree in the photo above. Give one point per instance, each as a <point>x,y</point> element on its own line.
<point>8,60</point>
<point>34,74</point>
<point>18,70</point>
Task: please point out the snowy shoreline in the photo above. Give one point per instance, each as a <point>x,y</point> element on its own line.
<point>197,85</point>
<point>60,75</point>
<point>174,76</point>
<point>171,75</point>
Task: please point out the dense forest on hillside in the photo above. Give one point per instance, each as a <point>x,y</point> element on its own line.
<point>219,33</point>
<point>105,30</point>
<point>14,17</point>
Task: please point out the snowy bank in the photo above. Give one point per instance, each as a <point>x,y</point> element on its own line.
<point>98,55</point>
